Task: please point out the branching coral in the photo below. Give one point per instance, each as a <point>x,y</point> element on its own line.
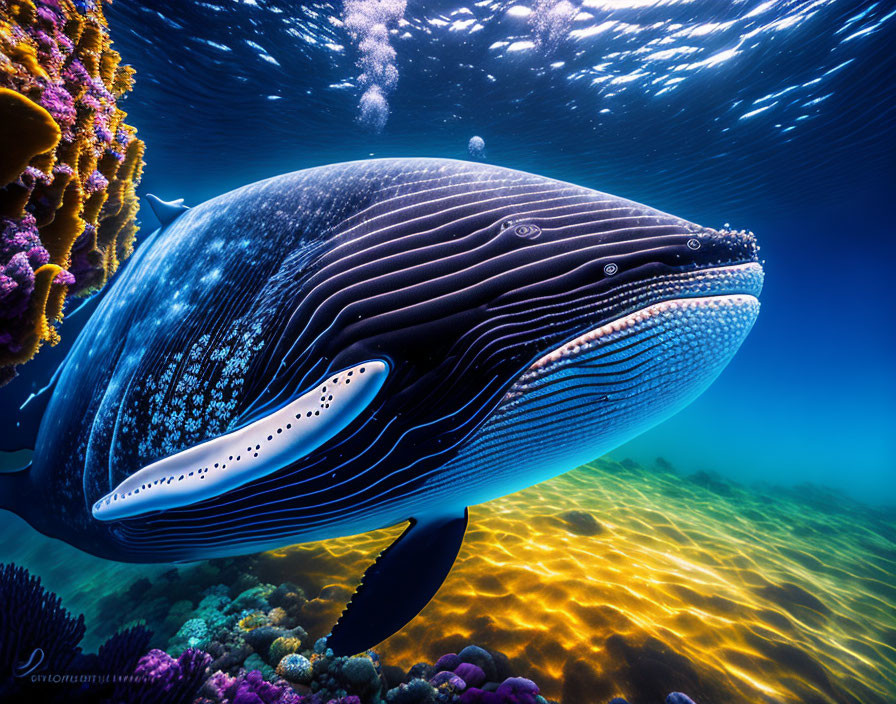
<point>69,166</point>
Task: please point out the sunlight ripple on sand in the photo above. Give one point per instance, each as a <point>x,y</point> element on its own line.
<point>620,580</point>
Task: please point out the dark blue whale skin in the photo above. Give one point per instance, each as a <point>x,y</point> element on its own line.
<point>458,275</point>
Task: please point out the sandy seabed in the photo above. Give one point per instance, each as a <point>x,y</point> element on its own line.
<point>620,580</point>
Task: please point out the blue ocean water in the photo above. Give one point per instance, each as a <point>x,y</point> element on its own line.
<point>769,115</point>
<point>774,115</point>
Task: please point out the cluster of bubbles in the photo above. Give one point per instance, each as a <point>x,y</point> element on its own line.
<point>368,24</point>
<point>550,22</point>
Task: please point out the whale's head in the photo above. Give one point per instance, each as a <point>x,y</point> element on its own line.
<point>564,319</point>
<point>459,274</point>
<point>624,315</point>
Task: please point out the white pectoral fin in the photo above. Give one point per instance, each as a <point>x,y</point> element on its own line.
<point>249,453</point>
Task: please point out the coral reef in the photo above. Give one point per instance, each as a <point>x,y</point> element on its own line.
<point>262,665</point>
<point>69,166</point>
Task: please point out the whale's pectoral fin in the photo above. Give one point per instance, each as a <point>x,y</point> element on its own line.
<point>400,583</point>
<point>249,453</point>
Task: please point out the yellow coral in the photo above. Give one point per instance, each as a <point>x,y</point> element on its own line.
<point>35,132</point>
<point>254,620</point>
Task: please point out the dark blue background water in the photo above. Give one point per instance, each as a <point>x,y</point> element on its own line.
<point>772,116</point>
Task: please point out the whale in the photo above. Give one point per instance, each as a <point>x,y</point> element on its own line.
<point>369,344</point>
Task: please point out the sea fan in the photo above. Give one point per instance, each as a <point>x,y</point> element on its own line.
<point>34,628</point>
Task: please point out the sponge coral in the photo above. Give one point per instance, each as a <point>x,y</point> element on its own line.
<point>69,166</point>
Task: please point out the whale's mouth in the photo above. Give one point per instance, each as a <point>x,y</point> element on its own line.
<point>669,324</point>
<point>732,279</point>
<point>614,381</point>
<point>733,314</point>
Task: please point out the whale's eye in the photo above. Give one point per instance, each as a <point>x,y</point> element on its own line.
<point>693,243</point>
<point>611,269</point>
<point>526,230</point>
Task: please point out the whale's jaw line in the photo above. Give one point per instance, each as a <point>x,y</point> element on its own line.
<point>736,285</point>
<point>601,335</point>
<point>603,388</point>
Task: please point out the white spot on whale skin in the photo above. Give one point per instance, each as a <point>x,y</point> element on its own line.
<point>249,453</point>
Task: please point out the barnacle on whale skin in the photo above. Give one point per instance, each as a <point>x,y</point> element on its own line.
<point>69,167</point>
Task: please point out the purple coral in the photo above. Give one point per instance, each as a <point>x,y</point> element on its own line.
<point>57,101</point>
<point>513,690</point>
<point>450,661</point>
<point>472,675</point>
<point>21,254</point>
<point>448,678</point>
<point>95,182</point>
<point>163,680</point>
<point>250,688</point>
